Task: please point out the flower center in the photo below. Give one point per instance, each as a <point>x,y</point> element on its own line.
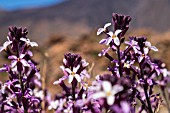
<point>114,36</point>
<point>18,59</point>
<point>72,73</point>
<point>143,55</point>
<point>108,93</point>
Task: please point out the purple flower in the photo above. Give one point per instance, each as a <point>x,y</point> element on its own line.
<point>27,41</point>
<point>18,62</point>
<point>104,29</point>
<point>114,37</point>
<point>5,45</point>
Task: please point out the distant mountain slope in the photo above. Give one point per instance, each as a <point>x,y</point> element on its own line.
<point>76,17</point>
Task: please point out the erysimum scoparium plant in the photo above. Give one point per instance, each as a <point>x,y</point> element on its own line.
<point>16,94</point>
<point>136,82</point>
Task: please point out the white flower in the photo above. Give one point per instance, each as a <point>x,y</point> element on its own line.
<point>114,37</point>
<point>20,59</point>
<point>100,30</point>
<point>109,92</point>
<point>165,72</point>
<point>73,74</point>
<point>53,105</point>
<point>4,47</point>
<point>32,44</point>
<point>148,44</point>
<point>144,55</point>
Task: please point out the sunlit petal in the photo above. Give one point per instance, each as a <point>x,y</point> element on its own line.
<point>117,32</point>
<point>70,78</point>
<point>117,41</point>
<point>107,87</point>
<point>110,100</point>
<point>77,77</point>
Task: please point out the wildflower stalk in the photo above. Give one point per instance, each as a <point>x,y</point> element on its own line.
<point>22,90</point>
<point>120,67</point>
<point>145,91</point>
<point>166,100</point>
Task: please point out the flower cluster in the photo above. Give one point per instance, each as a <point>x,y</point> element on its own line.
<point>74,69</point>
<point>135,64</point>
<point>16,94</point>
<point>131,87</point>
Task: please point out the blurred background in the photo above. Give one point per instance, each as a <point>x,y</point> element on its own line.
<point>60,26</point>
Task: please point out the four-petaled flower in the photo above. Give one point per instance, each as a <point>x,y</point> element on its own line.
<point>114,37</point>
<point>73,73</point>
<point>28,42</point>
<point>4,47</point>
<point>143,55</point>
<point>108,92</point>
<point>17,60</point>
<point>100,30</point>
<point>148,44</point>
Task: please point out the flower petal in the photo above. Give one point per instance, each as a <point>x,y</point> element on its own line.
<point>12,57</point>
<point>13,63</point>
<point>68,70</point>
<point>33,44</point>
<point>107,87</point>
<point>70,78</point>
<point>148,44</point>
<point>117,41</point>
<point>109,40</point>
<point>100,30</point>
<point>117,32</point>
<point>77,77</point>
<point>107,25</point>
<point>75,69</point>
<point>154,48</point>
<point>146,50</point>
<point>110,33</point>
<point>116,89</point>
<point>110,100</point>
<point>102,41</point>
<point>99,94</point>
<point>24,63</point>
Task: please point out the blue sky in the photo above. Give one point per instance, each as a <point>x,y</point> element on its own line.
<point>20,4</point>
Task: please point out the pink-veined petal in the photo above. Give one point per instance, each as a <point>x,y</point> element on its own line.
<point>6,44</point>
<point>25,63</point>
<point>13,63</point>
<point>107,87</point>
<point>77,77</point>
<point>154,48</point>
<point>109,40</point>
<point>140,58</point>
<point>100,30</point>
<point>23,39</point>
<point>146,51</point>
<point>68,70</point>
<point>117,32</point>
<point>33,44</point>
<point>117,41</point>
<point>147,44</point>
<point>102,41</point>
<point>99,94</point>
<point>75,69</point>
<point>21,56</point>
<point>107,25</point>
<point>70,78</point>
<point>110,100</point>
<point>110,33</point>
<point>116,89</point>
<point>12,57</point>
